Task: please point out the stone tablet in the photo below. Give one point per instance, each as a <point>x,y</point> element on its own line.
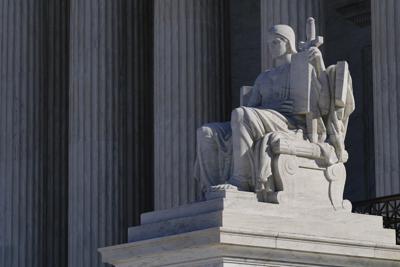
<point>300,83</point>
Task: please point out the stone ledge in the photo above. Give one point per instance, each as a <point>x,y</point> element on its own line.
<point>241,210</point>
<point>233,229</point>
<point>217,243</point>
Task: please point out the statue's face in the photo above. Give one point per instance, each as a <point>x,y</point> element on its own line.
<point>278,46</point>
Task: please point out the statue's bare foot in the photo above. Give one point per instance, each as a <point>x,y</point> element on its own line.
<point>242,183</point>
<point>221,187</point>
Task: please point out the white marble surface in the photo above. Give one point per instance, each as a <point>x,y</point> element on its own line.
<point>237,229</point>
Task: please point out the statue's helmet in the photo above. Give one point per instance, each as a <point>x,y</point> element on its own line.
<point>286,32</point>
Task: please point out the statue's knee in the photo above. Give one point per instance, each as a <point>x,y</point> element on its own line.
<point>204,132</point>
<point>237,115</point>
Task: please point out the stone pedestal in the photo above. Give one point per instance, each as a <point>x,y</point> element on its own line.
<point>231,228</point>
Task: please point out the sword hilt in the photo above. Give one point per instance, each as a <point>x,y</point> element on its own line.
<point>312,39</point>
<point>310,29</point>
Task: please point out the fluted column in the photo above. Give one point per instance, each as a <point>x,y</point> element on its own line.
<point>95,177</point>
<point>22,225</point>
<point>293,13</point>
<point>138,108</point>
<point>191,87</point>
<point>386,78</point>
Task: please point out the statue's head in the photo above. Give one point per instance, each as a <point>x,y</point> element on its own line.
<point>282,40</point>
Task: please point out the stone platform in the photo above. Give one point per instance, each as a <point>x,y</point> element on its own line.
<point>231,228</point>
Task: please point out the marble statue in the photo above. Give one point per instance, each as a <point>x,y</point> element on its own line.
<point>286,140</point>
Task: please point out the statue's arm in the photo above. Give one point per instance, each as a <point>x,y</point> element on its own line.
<point>316,60</point>
<point>255,97</point>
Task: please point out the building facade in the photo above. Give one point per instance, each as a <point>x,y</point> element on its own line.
<point>100,102</point>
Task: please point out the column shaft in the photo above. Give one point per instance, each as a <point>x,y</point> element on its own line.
<point>386,78</point>
<point>95,178</point>
<point>191,87</point>
<point>21,108</point>
<point>293,13</point>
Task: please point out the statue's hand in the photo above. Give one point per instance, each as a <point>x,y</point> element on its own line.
<point>286,106</point>
<point>315,58</point>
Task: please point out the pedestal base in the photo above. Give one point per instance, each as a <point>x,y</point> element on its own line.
<point>232,228</point>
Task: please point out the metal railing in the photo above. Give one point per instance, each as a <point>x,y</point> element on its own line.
<point>387,207</point>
